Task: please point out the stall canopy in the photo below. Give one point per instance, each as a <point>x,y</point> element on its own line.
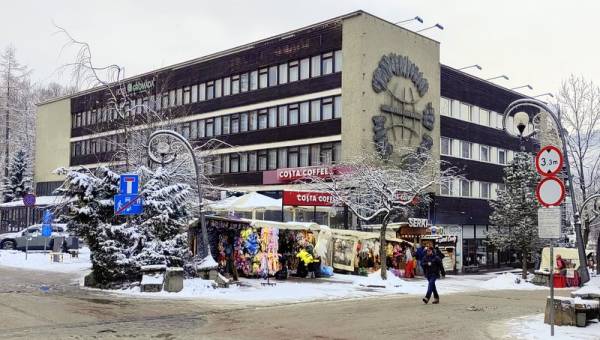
<point>246,203</point>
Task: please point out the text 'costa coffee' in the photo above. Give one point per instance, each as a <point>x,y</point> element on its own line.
<point>307,198</point>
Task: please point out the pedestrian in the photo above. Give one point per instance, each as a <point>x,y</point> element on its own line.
<point>409,268</point>
<point>419,254</point>
<point>229,250</point>
<point>431,265</point>
<point>561,265</point>
<point>441,255</point>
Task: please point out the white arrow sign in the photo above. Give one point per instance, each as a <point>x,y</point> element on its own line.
<point>550,191</point>
<point>548,161</point>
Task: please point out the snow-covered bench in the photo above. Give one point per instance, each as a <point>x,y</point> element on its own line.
<point>589,292</point>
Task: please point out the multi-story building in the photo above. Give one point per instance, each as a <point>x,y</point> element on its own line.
<point>309,98</point>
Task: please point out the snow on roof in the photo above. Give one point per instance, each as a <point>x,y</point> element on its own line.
<point>39,201</point>
<point>248,202</point>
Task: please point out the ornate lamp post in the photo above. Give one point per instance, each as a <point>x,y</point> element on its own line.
<point>522,119</point>
<point>168,155</point>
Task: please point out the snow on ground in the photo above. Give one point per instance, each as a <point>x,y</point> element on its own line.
<point>42,261</point>
<point>509,281</point>
<point>590,287</point>
<point>534,328</point>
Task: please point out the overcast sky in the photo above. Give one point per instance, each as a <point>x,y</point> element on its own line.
<point>533,42</point>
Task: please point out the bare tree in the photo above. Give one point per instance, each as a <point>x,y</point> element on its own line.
<point>376,188</point>
<point>579,103</point>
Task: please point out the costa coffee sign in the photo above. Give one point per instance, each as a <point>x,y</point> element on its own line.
<point>287,175</point>
<point>307,198</point>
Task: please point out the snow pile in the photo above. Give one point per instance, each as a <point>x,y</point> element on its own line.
<point>374,280</point>
<point>534,328</point>
<point>508,281</point>
<point>590,287</point>
<point>42,261</point>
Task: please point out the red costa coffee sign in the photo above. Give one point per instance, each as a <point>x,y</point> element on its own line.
<point>307,198</point>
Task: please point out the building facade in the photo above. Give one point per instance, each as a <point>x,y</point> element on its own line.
<point>307,99</point>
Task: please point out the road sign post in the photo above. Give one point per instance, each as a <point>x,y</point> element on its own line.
<point>549,161</point>
<point>128,201</point>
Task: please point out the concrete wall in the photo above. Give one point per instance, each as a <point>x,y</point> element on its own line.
<point>52,147</point>
<point>365,40</point>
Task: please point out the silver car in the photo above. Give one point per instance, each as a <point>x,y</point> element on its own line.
<point>19,239</point>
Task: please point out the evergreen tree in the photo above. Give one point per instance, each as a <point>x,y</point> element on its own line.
<point>18,182</point>
<point>515,211</point>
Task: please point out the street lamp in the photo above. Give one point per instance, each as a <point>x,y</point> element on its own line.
<point>167,155</point>
<point>497,77</point>
<point>417,18</point>
<point>520,87</point>
<point>430,27</point>
<point>470,66</point>
<point>521,119</point>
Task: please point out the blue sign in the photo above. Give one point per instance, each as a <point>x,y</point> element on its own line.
<point>128,204</point>
<point>129,184</point>
<point>47,223</point>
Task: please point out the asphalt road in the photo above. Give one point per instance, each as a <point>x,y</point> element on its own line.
<point>37,305</point>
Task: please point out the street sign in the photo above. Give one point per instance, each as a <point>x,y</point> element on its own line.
<point>550,191</point>
<point>47,223</point>
<point>29,200</point>
<point>129,184</point>
<point>549,161</point>
<point>549,222</point>
<point>128,204</point>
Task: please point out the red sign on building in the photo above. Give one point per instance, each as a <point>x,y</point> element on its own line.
<point>307,198</point>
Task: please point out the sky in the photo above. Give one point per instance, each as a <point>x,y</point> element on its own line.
<point>539,43</point>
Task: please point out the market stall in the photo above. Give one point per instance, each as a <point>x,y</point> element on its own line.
<point>250,205</point>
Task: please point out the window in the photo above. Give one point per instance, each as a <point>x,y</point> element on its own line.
<point>227,123</point>
<point>283,73</point>
<point>327,109</point>
<point>235,124</point>
<point>446,146</point>
<point>253,80</point>
<point>272,117</point>
<point>282,158</point>
<point>293,114</point>
<point>283,116</point>
<point>263,119</point>
<point>234,163</point>
<point>315,66</point>
<point>484,117</point>
<point>202,92</point>
<point>253,121</point>
<point>244,82</point>
<point>445,107</point>
<point>262,160</point>
<point>235,84</point>
<point>501,156</point>
<point>210,90</point>
<point>217,126</point>
<point>165,100</point>
<point>304,68</point>
<point>484,190</point>
<point>263,78</point>
<point>293,157</point>
<point>226,86</point>
<point>194,93</point>
<point>465,149</point>
<point>337,107</point>
<point>293,71</point>
<point>455,108</point>
<point>304,112</point>
<point>338,61</point>
<point>465,188</point>
<point>209,128</point>
<point>252,161</point>
<point>326,153</point>
<point>465,112</point>
<point>315,110</point>
<point>179,99</point>
<point>501,187</point>
<point>447,187</point>
<point>314,154</point>
<point>186,95</point>
<point>484,153</point>
<point>243,122</point>
<point>327,63</point>
<point>243,162</point>
<point>272,159</point>
<point>194,130</point>
<point>218,88</point>
<point>273,76</point>
<point>304,155</point>
<point>202,128</point>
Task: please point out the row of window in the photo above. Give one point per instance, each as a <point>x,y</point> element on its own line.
<point>310,67</point>
<point>477,115</point>
<point>470,189</point>
<point>278,116</point>
<point>271,159</point>
<point>474,151</point>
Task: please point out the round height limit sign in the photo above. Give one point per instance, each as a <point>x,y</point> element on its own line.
<point>549,161</point>
<point>551,190</point>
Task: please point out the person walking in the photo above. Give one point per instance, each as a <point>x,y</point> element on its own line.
<point>441,255</point>
<point>419,254</point>
<point>431,266</point>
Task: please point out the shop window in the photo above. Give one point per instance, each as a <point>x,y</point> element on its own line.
<point>202,92</point>
<point>484,190</point>
<point>327,108</point>
<point>484,153</point>
<point>305,68</point>
<point>252,161</point>
<point>283,73</point>
<point>446,146</point>
<point>243,122</point>
<point>338,61</point>
<point>304,112</point>
<point>262,160</point>
<point>293,114</point>
<point>226,86</point>
<point>272,159</point>
<point>235,123</point>
<point>293,71</point>
<point>244,82</point>
<point>283,117</point>
<point>466,149</point>
<point>253,80</point>
<point>293,157</point>
<point>253,121</point>
<point>273,76</point>
<point>227,125</point>
<point>263,78</point>
<point>315,66</point>
<point>218,88</point>
<point>263,119</point>
<point>210,90</point>
<point>327,63</point>
<point>283,157</point>
<point>315,110</point>
<point>272,117</point>
<point>235,84</point>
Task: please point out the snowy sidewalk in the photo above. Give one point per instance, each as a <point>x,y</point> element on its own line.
<point>41,261</point>
<point>534,328</point>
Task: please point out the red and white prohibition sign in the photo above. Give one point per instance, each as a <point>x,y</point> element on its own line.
<point>550,191</point>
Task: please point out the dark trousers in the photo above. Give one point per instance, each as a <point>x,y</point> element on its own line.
<point>431,288</point>
<point>443,271</point>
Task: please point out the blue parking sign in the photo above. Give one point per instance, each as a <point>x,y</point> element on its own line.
<point>129,184</point>
<point>47,223</point>
<point>125,206</point>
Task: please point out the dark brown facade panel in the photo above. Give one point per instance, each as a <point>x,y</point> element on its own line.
<point>298,88</point>
<point>455,210</point>
<point>238,179</point>
<point>474,170</point>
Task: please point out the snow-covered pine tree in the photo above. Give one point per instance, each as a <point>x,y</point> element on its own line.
<point>18,182</point>
<point>515,211</point>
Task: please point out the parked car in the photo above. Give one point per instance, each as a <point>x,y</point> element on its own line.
<point>18,240</point>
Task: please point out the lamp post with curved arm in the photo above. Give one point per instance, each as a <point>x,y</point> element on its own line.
<point>527,104</point>
<point>166,157</point>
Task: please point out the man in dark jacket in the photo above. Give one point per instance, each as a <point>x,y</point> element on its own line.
<point>441,255</point>
<point>431,266</point>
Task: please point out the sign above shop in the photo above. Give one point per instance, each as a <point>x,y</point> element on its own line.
<point>288,175</point>
<point>137,87</point>
<point>417,222</point>
<point>307,198</point>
